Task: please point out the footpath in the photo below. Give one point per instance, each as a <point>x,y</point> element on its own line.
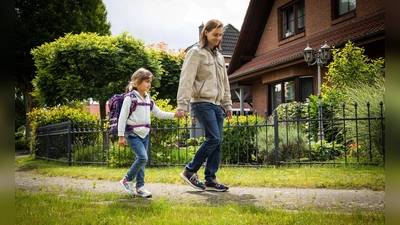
<point>282,198</point>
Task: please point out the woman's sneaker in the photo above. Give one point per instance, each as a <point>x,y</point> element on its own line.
<point>143,192</point>
<point>213,185</point>
<point>127,186</point>
<point>192,179</point>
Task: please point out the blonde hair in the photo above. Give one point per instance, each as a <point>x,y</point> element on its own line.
<point>137,78</point>
<point>210,26</point>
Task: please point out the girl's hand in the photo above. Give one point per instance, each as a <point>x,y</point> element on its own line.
<point>121,141</point>
<point>180,113</point>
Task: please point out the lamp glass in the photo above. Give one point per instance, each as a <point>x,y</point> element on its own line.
<point>325,52</point>
<point>308,54</point>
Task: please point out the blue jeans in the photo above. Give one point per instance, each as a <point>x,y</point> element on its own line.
<point>139,147</point>
<point>211,118</point>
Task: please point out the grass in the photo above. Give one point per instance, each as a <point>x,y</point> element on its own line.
<point>60,206</point>
<point>355,177</point>
<point>72,207</point>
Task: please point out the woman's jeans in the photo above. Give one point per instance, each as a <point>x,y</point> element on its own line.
<point>211,118</point>
<point>139,147</point>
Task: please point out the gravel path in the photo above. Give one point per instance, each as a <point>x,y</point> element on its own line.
<point>286,198</point>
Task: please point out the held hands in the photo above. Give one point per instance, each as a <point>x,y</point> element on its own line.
<point>180,113</point>
<point>121,141</point>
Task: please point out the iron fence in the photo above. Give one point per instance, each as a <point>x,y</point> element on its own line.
<point>250,140</point>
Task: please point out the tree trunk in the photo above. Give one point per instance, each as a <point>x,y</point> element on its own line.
<point>28,107</point>
<point>106,140</point>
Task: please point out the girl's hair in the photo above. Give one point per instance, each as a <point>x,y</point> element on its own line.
<point>210,26</point>
<point>137,78</point>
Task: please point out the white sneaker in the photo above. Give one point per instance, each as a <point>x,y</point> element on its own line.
<point>143,192</point>
<point>127,186</point>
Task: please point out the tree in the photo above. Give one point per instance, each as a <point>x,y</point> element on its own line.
<point>350,68</point>
<point>170,72</point>
<point>77,67</point>
<point>40,21</point>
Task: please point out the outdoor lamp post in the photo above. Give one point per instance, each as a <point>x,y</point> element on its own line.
<point>321,57</point>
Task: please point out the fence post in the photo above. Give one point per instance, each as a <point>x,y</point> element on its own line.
<point>69,144</point>
<point>149,150</point>
<point>276,138</point>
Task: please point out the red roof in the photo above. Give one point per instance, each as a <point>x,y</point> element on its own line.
<point>354,29</point>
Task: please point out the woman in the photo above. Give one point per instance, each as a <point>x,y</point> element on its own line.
<point>204,85</point>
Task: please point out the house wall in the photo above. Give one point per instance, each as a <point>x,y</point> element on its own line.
<point>318,19</point>
<point>259,97</point>
<point>94,109</point>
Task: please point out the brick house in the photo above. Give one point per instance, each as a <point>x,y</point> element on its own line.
<point>268,56</point>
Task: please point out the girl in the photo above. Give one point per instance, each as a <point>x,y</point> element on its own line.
<point>133,129</point>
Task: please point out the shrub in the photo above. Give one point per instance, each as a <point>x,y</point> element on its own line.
<point>293,143</point>
<point>22,144</point>
<point>80,117</point>
<point>242,148</point>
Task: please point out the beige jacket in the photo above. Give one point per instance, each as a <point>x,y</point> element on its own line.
<point>204,79</point>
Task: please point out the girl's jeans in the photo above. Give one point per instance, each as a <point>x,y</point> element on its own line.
<point>211,118</point>
<point>139,147</point>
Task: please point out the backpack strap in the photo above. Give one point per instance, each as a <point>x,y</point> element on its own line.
<point>136,103</point>
<point>130,128</point>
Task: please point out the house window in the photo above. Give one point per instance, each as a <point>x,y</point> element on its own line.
<point>298,89</point>
<point>307,88</point>
<point>293,19</point>
<point>282,92</point>
<point>343,7</point>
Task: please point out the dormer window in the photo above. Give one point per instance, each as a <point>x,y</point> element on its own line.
<point>292,19</point>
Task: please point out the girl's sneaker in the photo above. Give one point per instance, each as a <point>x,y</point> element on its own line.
<point>127,186</point>
<point>143,192</point>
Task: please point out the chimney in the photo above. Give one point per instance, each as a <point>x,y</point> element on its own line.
<point>201,28</point>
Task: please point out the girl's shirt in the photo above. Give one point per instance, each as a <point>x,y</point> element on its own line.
<point>140,116</point>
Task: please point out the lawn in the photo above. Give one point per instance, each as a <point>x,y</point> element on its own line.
<point>76,207</point>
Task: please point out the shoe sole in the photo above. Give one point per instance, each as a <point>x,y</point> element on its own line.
<point>188,181</point>
<point>149,196</point>
<point>214,189</point>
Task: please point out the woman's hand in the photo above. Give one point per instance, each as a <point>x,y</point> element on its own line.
<point>180,113</point>
<point>229,114</point>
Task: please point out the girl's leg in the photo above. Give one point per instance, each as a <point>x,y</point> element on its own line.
<point>139,147</point>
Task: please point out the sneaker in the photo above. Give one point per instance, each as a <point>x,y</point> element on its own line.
<point>127,187</point>
<point>143,192</point>
<point>192,179</point>
<point>213,185</point>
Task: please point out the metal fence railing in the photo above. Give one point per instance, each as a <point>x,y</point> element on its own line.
<point>249,140</point>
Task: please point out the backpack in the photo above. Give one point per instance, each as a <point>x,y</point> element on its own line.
<point>115,105</point>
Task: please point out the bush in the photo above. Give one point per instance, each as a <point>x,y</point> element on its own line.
<point>241,148</point>
<point>80,117</point>
<point>325,151</point>
<point>293,144</point>
<point>21,144</point>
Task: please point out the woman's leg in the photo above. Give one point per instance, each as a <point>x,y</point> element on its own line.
<point>209,116</point>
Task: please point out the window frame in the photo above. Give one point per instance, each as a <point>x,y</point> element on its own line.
<point>284,24</point>
<point>336,8</point>
<point>298,91</point>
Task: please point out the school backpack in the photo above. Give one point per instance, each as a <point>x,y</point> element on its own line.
<point>115,105</point>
